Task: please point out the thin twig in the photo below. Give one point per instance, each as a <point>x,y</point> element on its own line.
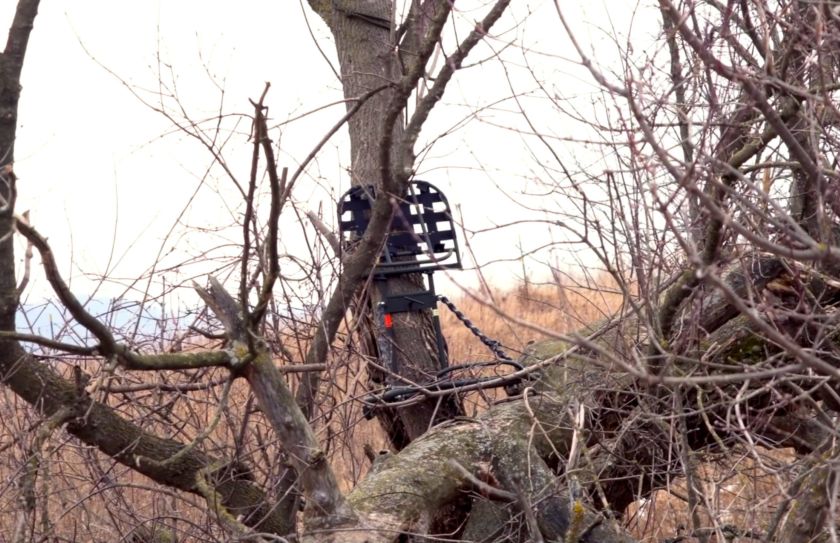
<point>480,486</point>
<point>27,261</point>
<point>325,231</point>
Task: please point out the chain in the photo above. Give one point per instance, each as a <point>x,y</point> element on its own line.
<point>450,384</point>
<point>492,344</point>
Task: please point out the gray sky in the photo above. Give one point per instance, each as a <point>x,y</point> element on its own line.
<point>107,178</point>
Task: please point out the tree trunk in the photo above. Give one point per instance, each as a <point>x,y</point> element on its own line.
<point>368,58</point>
<point>11,65</point>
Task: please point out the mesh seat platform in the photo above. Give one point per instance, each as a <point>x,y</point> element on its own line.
<point>422,236</point>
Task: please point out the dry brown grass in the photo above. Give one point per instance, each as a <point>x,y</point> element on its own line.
<point>552,307</point>
<point>743,490</point>
<point>92,499</point>
<point>556,307</point>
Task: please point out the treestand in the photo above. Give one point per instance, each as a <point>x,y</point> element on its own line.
<point>421,240</point>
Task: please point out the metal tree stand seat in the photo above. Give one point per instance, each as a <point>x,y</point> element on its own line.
<point>422,239</point>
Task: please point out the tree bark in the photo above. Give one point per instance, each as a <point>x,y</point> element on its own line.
<point>808,512</point>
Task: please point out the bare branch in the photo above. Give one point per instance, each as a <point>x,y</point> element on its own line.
<point>325,231</point>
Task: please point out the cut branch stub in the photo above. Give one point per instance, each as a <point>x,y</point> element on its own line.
<point>326,507</point>
<point>229,313</point>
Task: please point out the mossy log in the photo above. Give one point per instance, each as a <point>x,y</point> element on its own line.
<point>509,446</point>
<point>522,446</point>
<point>808,512</point>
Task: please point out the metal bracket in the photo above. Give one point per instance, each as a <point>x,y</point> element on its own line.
<point>410,302</point>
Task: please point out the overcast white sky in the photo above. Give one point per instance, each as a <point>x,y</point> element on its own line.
<point>106,177</point>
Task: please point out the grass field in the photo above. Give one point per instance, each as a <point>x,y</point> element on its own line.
<point>89,498</point>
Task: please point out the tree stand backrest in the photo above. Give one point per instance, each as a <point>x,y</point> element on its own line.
<point>422,237</point>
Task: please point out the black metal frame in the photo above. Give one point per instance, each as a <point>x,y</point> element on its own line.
<point>422,239</point>
<point>422,236</point>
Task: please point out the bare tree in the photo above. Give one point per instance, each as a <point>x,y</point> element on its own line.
<point>371,49</point>
<point>715,214</point>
